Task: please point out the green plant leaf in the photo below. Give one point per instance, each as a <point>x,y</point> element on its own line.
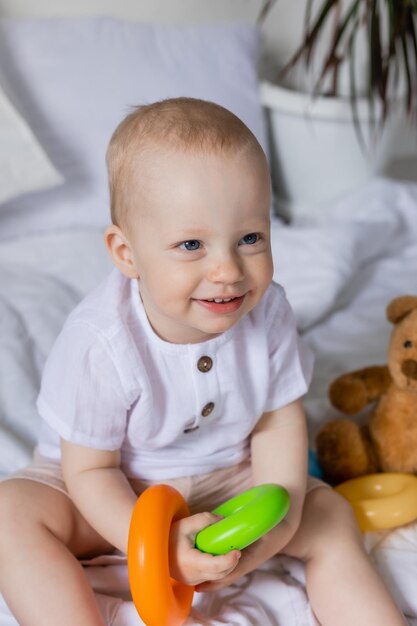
<point>407,72</point>
<point>413,36</point>
<point>353,92</point>
<point>388,57</point>
<point>306,48</point>
<point>377,82</point>
<point>265,9</point>
<point>333,60</point>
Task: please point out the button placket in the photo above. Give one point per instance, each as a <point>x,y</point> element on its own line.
<point>207,409</point>
<point>205,387</point>
<point>191,429</point>
<point>204,364</point>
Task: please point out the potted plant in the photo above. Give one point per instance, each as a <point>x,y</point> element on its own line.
<point>336,104</point>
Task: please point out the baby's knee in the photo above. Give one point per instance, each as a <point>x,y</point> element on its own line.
<point>12,510</point>
<point>25,509</point>
<point>327,525</point>
<point>336,508</point>
<point>18,504</point>
<point>338,528</point>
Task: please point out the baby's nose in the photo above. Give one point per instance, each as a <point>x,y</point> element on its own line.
<point>228,270</point>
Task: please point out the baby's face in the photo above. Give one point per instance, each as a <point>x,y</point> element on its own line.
<point>201,242</point>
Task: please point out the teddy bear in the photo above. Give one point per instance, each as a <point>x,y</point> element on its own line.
<point>387,442</point>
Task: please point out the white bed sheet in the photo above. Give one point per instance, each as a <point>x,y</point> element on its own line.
<point>339,278</point>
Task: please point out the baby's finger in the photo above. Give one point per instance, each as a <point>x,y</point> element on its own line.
<point>215,567</point>
<point>183,532</point>
<point>220,582</point>
<point>191,525</point>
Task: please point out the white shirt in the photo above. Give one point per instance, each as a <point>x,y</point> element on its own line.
<point>111,383</point>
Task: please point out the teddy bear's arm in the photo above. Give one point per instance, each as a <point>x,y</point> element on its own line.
<point>351,392</point>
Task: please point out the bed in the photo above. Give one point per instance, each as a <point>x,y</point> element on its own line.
<point>63,89</point>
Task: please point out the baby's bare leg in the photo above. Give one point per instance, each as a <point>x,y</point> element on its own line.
<point>343,586</point>
<point>41,533</point>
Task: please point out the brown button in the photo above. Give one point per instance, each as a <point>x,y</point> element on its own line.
<point>204,364</point>
<point>191,429</point>
<point>207,409</point>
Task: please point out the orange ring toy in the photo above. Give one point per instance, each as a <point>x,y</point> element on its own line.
<point>159,599</point>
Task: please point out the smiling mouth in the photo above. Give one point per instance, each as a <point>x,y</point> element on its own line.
<point>218,300</point>
<point>222,305</point>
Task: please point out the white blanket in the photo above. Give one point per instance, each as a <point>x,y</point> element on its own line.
<point>339,278</point>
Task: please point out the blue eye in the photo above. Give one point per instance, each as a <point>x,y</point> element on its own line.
<point>190,245</point>
<point>249,239</point>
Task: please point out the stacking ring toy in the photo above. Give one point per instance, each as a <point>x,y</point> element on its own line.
<point>247,517</point>
<point>159,599</point>
<point>314,468</point>
<point>382,501</point>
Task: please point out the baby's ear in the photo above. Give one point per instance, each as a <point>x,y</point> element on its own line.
<point>400,308</point>
<point>120,250</point>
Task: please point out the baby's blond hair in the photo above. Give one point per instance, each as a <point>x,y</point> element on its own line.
<point>176,123</point>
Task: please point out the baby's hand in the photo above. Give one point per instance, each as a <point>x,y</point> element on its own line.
<point>189,565</point>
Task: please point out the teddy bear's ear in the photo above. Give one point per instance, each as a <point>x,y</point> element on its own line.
<point>400,308</point>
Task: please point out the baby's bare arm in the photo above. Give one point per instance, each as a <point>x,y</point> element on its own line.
<point>279,445</point>
<point>100,490</point>
<point>105,498</point>
<point>279,455</point>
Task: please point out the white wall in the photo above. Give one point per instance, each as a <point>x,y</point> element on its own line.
<point>169,11</point>
<point>282,30</point>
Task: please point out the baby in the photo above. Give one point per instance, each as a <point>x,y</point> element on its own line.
<point>182,367</point>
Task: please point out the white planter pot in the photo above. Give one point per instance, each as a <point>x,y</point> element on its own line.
<point>315,153</point>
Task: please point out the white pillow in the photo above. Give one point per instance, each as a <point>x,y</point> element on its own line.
<point>76,78</point>
<point>24,165</point>
<point>316,263</point>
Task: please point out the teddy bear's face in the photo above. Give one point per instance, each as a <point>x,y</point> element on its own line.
<point>402,353</point>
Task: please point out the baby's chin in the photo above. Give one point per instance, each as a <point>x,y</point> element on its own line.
<point>216,327</point>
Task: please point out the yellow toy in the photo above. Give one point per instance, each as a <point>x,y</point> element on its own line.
<point>387,442</point>
<point>382,501</point>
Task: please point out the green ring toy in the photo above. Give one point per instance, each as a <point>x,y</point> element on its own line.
<point>247,517</point>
